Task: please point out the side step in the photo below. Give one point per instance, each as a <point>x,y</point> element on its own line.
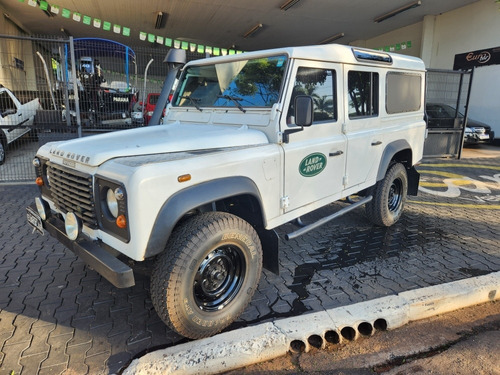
<point>307,228</point>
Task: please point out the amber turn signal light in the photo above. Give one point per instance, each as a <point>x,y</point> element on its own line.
<point>39,181</point>
<point>184,178</point>
<point>121,221</point>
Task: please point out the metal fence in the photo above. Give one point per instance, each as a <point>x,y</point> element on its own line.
<point>446,106</point>
<point>54,89</point>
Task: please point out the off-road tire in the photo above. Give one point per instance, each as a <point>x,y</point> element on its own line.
<point>389,197</point>
<point>207,274</point>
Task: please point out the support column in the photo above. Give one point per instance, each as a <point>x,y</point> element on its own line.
<point>427,45</point>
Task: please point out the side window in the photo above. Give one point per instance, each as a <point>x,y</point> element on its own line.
<point>320,85</point>
<point>363,94</point>
<point>403,92</point>
<point>6,102</point>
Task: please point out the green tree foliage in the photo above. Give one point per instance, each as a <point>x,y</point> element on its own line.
<point>260,77</point>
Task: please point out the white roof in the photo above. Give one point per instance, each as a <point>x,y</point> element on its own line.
<point>328,52</point>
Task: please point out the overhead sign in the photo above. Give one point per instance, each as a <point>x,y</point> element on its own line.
<point>482,57</point>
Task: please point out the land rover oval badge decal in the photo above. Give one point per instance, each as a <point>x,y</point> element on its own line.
<point>312,164</point>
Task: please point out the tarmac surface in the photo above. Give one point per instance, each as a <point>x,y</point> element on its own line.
<point>58,316</point>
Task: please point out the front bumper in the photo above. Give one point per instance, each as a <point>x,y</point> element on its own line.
<point>108,266</point>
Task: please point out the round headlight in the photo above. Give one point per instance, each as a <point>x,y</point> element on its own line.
<point>112,203</point>
<point>72,225</point>
<point>36,162</point>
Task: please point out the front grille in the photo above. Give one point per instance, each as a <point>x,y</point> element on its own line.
<point>72,191</point>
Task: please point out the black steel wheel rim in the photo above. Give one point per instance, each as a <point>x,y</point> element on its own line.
<point>395,195</point>
<point>219,278</point>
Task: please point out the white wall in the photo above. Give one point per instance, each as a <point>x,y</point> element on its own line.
<point>438,38</point>
<point>484,102</point>
<point>473,27</point>
<point>412,33</point>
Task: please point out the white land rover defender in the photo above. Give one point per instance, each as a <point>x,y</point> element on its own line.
<point>249,142</point>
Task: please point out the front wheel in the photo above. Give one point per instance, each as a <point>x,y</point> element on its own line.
<point>207,275</point>
<point>389,197</point>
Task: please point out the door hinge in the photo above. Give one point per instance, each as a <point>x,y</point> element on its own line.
<point>345,180</point>
<point>285,202</point>
<point>344,128</point>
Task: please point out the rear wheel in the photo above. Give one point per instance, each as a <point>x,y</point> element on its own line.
<point>389,197</point>
<point>207,274</point>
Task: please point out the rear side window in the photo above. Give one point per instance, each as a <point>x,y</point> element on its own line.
<point>363,94</point>
<point>403,92</point>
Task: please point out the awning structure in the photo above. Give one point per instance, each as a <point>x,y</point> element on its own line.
<point>482,57</point>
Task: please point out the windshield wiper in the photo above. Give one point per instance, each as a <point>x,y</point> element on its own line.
<point>234,99</point>
<point>194,101</point>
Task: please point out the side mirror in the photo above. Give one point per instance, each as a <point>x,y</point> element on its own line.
<point>304,113</point>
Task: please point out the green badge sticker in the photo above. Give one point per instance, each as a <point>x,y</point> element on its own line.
<point>312,164</point>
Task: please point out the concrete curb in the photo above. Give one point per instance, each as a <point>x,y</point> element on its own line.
<point>243,347</point>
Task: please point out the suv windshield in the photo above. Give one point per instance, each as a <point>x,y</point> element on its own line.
<point>243,83</point>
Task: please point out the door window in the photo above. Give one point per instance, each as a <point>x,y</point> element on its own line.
<point>320,85</point>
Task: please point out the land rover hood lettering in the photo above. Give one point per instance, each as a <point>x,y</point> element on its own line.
<point>162,139</point>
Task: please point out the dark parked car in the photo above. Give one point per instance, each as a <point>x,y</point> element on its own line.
<point>443,116</point>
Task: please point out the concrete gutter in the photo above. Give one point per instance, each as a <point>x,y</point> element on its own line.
<point>243,347</point>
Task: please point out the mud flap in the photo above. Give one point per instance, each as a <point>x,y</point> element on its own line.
<point>413,181</point>
<point>270,249</point>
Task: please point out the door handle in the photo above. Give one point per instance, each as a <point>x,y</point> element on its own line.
<point>337,153</point>
<point>376,143</point>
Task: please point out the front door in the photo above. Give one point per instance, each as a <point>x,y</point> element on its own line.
<point>315,157</point>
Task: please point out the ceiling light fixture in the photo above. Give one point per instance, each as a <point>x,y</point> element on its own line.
<point>288,4</point>
<point>332,38</point>
<point>397,11</point>
<point>252,30</point>
<point>160,20</point>
<point>66,32</point>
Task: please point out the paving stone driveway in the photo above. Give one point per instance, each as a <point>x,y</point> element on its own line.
<point>58,316</point>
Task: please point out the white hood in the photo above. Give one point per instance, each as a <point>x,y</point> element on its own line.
<point>95,150</point>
